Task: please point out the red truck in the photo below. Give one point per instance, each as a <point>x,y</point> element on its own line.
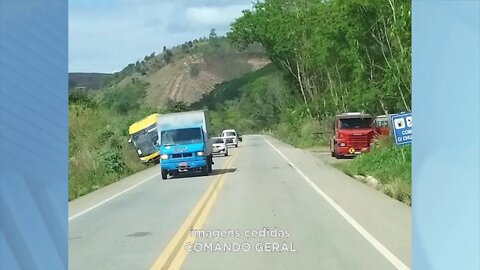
<point>381,126</point>
<point>353,134</point>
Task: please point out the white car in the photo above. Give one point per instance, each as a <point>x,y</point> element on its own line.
<point>219,146</point>
<point>230,136</point>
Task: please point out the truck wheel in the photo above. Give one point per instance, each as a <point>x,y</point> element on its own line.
<point>236,145</point>
<point>164,174</point>
<point>205,170</point>
<point>335,153</point>
<point>209,164</point>
<point>332,149</point>
<point>226,154</point>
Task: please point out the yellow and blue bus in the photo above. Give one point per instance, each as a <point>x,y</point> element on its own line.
<point>144,138</point>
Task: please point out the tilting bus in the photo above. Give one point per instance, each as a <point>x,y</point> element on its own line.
<point>144,138</point>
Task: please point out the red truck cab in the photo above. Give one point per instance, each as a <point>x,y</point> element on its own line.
<point>381,126</point>
<point>353,134</point>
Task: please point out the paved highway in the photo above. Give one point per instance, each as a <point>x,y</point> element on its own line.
<point>266,206</point>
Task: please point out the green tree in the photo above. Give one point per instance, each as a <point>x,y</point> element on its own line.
<point>177,106</point>
<point>213,34</point>
<point>168,56</point>
<point>342,55</point>
<point>126,99</point>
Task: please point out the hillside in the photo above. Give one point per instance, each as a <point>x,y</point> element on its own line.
<point>187,73</point>
<point>88,80</point>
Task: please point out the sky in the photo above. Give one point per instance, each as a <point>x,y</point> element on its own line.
<point>107,35</point>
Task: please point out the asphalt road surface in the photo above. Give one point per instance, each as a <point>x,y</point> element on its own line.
<point>266,206</point>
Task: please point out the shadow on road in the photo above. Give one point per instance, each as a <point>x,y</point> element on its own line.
<point>220,156</point>
<point>196,174</point>
<point>223,171</point>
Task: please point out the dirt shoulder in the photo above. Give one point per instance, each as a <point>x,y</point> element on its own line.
<point>323,153</point>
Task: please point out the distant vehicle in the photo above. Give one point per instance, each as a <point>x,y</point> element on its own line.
<point>184,144</point>
<point>352,134</point>
<point>239,137</point>
<point>230,136</point>
<point>144,138</point>
<point>381,126</point>
<point>219,146</point>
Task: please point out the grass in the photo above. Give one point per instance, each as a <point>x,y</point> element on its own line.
<point>305,133</point>
<point>390,165</point>
<point>99,153</point>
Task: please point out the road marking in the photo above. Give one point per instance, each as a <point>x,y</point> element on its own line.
<point>111,198</point>
<point>173,256</point>
<point>397,263</point>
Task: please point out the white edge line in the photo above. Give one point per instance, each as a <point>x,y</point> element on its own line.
<point>397,263</point>
<point>111,198</point>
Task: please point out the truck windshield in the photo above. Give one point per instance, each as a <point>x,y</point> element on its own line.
<point>181,136</point>
<point>228,134</point>
<point>382,123</point>
<point>145,140</point>
<point>355,123</point>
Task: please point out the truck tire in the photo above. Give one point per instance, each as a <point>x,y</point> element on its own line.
<point>226,153</point>
<point>164,174</point>
<point>205,170</point>
<point>209,164</point>
<point>335,153</point>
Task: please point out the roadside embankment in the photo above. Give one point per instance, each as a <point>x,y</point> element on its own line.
<point>386,167</point>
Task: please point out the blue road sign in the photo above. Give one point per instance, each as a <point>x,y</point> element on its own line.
<point>402,128</point>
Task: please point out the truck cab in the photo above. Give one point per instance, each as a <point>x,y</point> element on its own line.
<point>381,126</point>
<point>184,145</point>
<point>352,134</point>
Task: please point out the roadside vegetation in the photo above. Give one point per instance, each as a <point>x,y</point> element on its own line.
<point>99,153</point>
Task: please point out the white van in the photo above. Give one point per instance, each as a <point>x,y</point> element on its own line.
<point>230,136</point>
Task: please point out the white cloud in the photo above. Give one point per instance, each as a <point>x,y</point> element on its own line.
<point>213,16</point>
<point>105,36</point>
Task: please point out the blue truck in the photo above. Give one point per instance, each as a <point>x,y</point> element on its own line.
<point>184,144</point>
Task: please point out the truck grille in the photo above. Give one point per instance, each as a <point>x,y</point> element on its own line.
<point>229,140</point>
<point>182,155</point>
<point>359,140</point>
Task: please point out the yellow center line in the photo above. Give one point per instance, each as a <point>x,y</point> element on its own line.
<point>174,254</point>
